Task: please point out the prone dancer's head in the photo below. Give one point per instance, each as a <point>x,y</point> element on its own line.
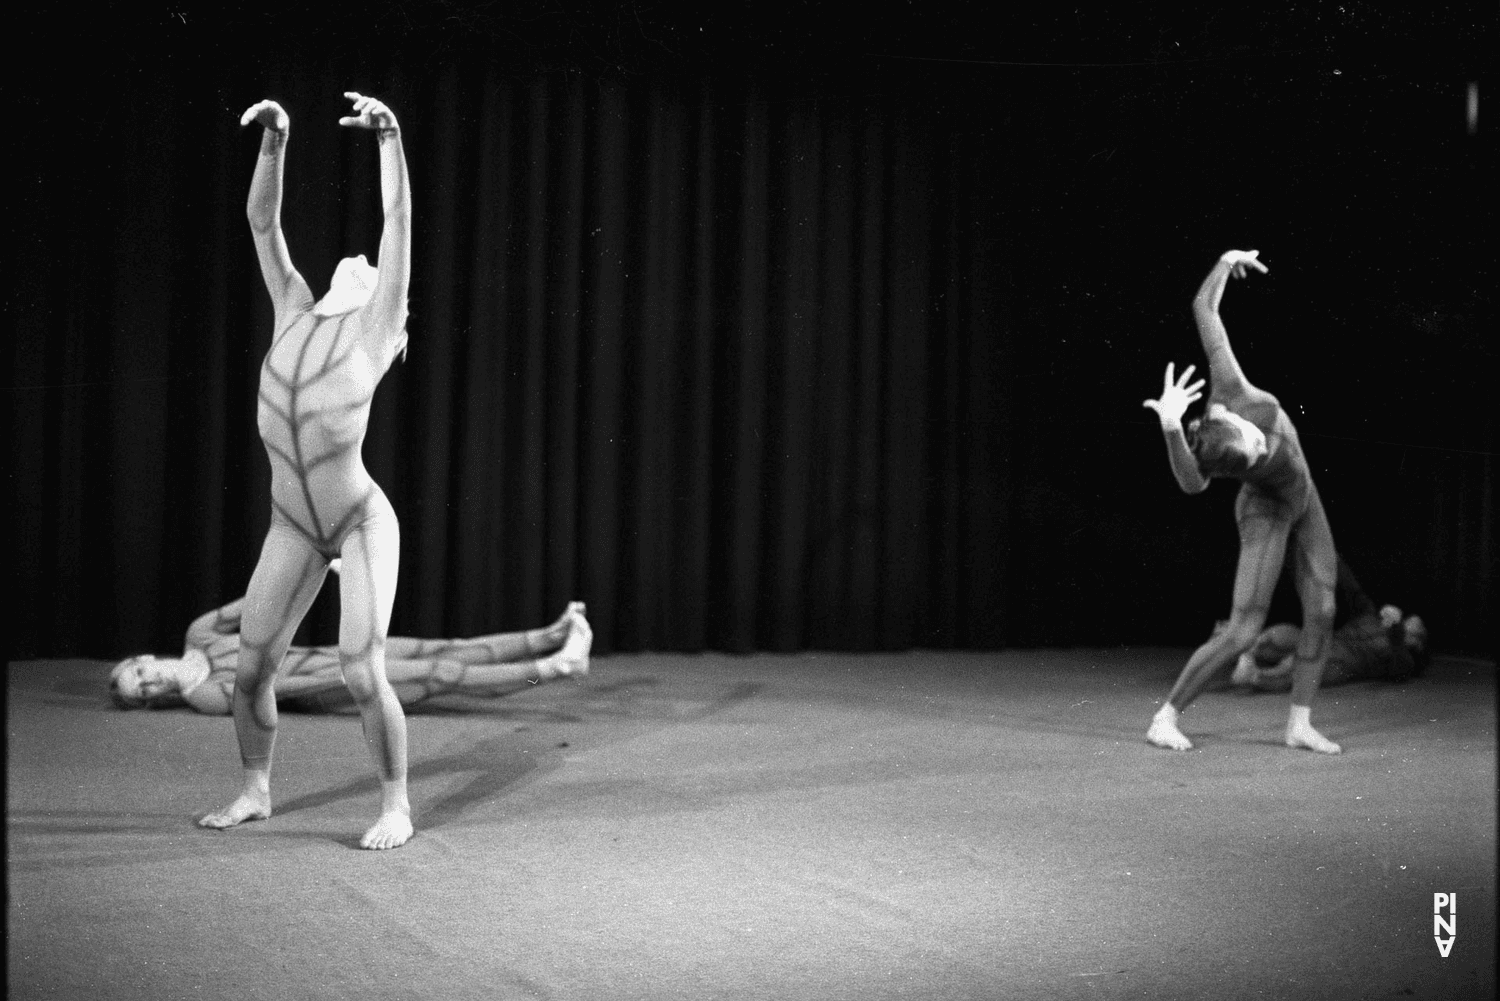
<point>1224,443</point>
<point>353,284</point>
<point>150,681</point>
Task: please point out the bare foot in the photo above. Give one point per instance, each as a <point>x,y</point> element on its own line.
<point>1303,735</point>
<point>1164,731</point>
<point>572,661</point>
<point>250,806</point>
<point>392,830</point>
<point>550,638</point>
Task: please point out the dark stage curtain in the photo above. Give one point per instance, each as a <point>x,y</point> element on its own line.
<point>750,360</point>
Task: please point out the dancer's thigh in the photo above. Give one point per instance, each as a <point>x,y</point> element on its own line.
<point>287,578</point>
<point>367,585</point>
<point>1264,530</point>
<point>1316,567</point>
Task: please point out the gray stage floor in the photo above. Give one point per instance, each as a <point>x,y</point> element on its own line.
<point>924,825</point>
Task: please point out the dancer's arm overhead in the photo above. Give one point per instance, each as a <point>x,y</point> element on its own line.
<point>1228,383</point>
<point>388,302</point>
<point>263,209</point>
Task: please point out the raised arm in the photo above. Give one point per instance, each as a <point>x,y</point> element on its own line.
<point>1176,396</point>
<point>394,263</point>
<point>1228,381</point>
<point>263,209</point>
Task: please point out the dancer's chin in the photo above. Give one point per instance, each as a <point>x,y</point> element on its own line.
<point>337,306</point>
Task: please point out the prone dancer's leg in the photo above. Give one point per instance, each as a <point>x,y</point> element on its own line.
<point>371,557</point>
<point>1315,569</point>
<point>1268,657</point>
<point>1347,661</point>
<point>1275,644</point>
<point>286,580</point>
<point>498,648</point>
<point>415,680</point>
<point>1263,538</point>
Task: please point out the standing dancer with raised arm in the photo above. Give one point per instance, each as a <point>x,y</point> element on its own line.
<point>1246,435</point>
<point>315,389</point>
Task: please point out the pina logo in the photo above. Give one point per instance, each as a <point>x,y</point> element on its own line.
<point>1444,925</point>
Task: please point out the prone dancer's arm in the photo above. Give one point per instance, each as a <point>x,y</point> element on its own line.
<point>1176,396</point>
<point>388,301</point>
<point>263,210</point>
<point>1229,385</point>
<point>209,626</point>
<point>214,697</point>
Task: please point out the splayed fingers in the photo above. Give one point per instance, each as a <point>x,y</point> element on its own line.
<point>369,113</point>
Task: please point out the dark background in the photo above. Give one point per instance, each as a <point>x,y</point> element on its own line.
<point>766,328</point>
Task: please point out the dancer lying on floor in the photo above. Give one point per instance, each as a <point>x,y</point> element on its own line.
<point>316,384</point>
<point>1367,644</point>
<point>312,678</point>
<point>1247,436</point>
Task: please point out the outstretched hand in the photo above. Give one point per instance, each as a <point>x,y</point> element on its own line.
<point>1176,396</point>
<point>368,113</point>
<point>1240,261</point>
<point>267,113</point>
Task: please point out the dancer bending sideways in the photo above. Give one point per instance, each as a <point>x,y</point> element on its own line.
<point>1246,435</point>
<point>326,358</point>
<point>312,677</point>
<point>1367,645</point>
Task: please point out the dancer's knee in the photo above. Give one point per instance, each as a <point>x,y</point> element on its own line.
<point>1321,608</point>
<point>1317,615</point>
<point>363,676</point>
<point>1242,631</point>
<point>254,676</point>
<point>447,674</point>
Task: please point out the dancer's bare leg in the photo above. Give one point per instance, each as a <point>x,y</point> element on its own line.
<point>572,661</point>
<point>282,588</point>
<point>1263,541</point>
<point>499,648</point>
<point>371,556</point>
<point>1268,658</point>
<point>1316,569</point>
<point>415,680</point>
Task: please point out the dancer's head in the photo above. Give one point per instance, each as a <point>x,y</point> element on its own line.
<point>1224,443</point>
<point>353,283</point>
<point>148,680</point>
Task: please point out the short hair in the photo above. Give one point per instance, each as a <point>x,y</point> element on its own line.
<point>1212,441</point>
<point>121,700</point>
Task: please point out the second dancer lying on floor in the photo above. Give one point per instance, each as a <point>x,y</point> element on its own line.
<point>311,678</point>
<point>1368,644</point>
